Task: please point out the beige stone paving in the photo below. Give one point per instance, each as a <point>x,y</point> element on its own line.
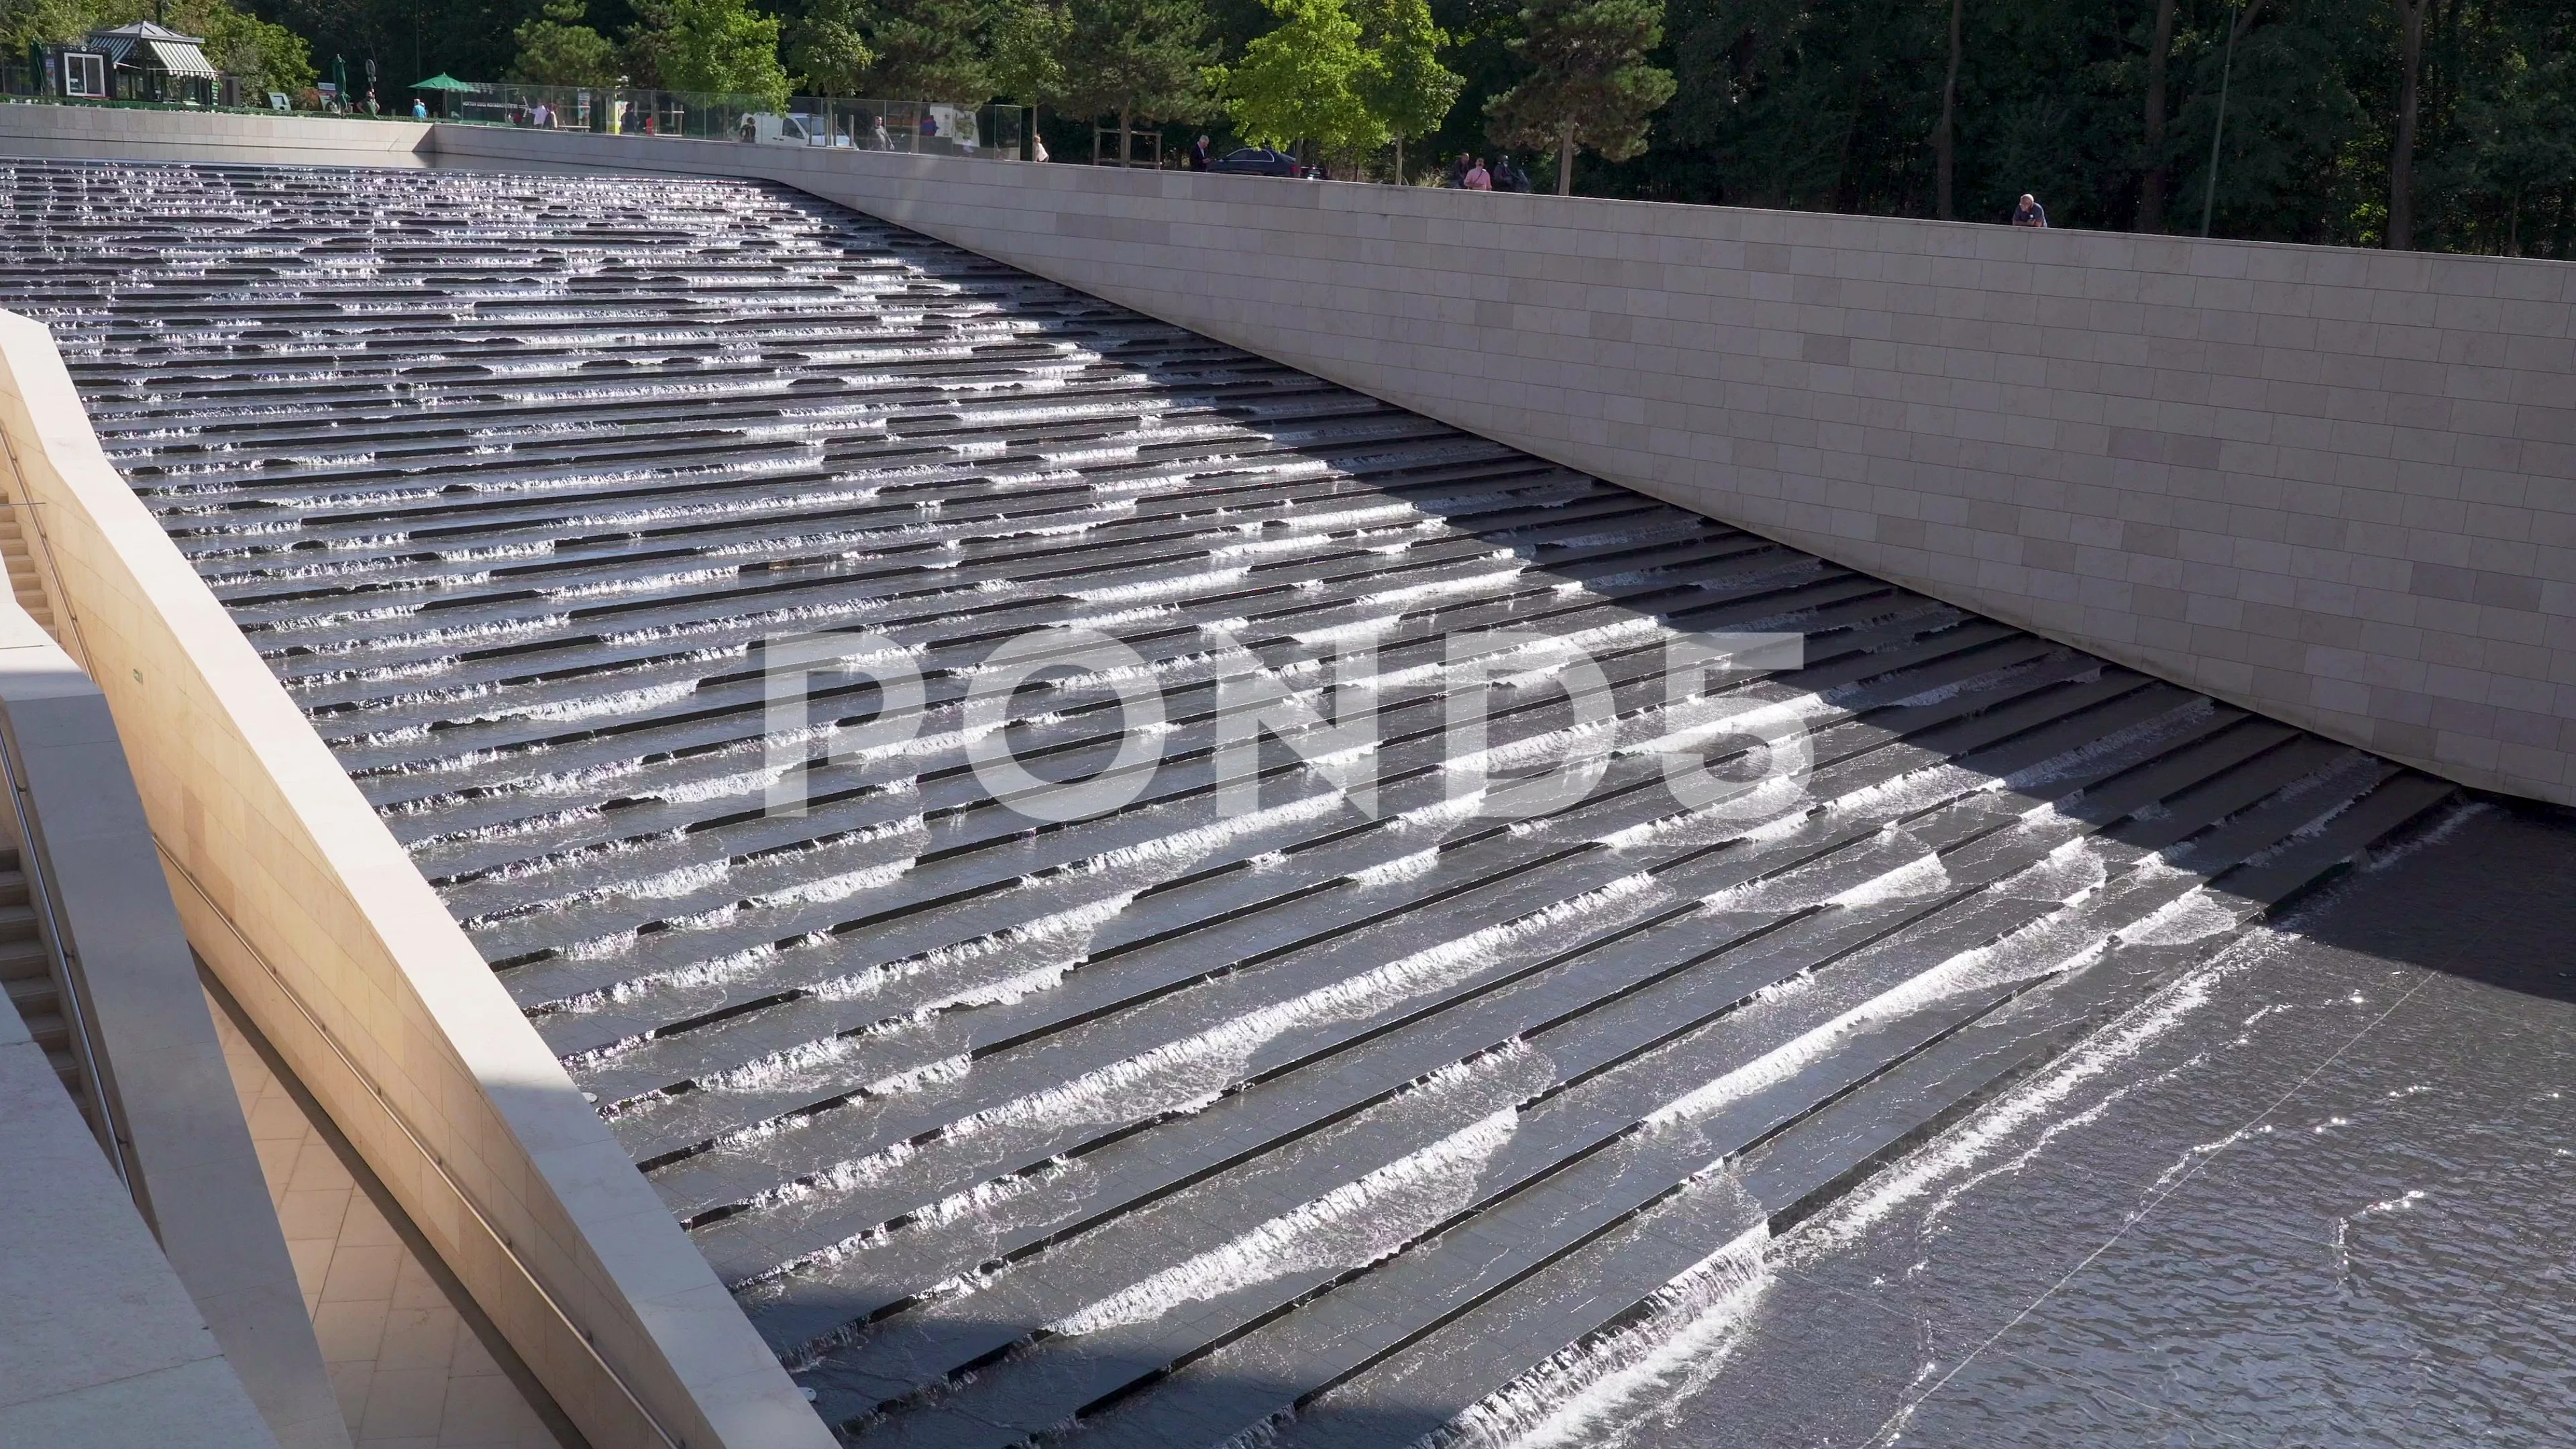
<point>409,1370</point>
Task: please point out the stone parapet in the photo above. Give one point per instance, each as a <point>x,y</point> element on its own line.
<point>2335,486</point>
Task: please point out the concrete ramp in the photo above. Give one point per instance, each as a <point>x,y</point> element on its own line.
<point>1191,1115</point>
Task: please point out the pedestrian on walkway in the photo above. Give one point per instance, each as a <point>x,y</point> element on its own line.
<point>419,109</point>
<point>2029,213</point>
<point>1200,159</point>
<point>1478,178</point>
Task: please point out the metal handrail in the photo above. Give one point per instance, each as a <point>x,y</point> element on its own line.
<point>427,1153</point>
<point>40,892</point>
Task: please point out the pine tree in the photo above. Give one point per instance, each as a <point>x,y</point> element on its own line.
<point>1405,85</point>
<point>1302,82</point>
<point>1590,84</point>
<point>1137,60</point>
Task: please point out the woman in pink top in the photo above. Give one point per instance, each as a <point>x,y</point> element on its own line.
<point>1478,178</point>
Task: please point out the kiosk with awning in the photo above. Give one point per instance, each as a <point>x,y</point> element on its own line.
<point>155,63</point>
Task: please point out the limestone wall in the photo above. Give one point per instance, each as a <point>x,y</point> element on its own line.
<point>2335,486</point>
<point>311,914</point>
<point>123,133</point>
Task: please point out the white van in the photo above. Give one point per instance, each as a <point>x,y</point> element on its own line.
<point>768,128</point>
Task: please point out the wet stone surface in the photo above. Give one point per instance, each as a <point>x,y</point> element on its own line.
<point>1187,1119</point>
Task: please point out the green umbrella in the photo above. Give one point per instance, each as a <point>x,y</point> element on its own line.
<point>444,82</point>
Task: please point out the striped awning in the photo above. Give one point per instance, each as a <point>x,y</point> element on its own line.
<point>178,57</point>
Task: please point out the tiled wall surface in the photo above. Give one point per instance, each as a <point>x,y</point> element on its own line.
<point>406,1365</point>
<point>2336,486</point>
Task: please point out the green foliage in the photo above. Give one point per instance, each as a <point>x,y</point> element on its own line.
<point>556,49</point>
<point>1589,83</point>
<point>1145,59</point>
<point>930,50</point>
<point>1303,82</point>
<point>721,46</point>
<point>1831,104</point>
<point>266,56</point>
<point>1406,87</point>
<point>1029,37</point>
<point>827,47</point>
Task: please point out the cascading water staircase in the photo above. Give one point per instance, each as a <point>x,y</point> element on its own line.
<point>1173,1124</point>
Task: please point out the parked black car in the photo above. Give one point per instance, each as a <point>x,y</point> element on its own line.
<point>1260,161</point>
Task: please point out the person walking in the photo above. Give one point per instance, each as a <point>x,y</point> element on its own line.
<point>1200,157</point>
<point>2029,213</point>
<point>1478,178</point>
<point>419,109</point>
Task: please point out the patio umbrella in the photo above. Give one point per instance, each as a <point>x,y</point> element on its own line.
<point>445,82</point>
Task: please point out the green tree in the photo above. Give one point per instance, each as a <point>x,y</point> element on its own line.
<point>1029,37</point>
<point>266,56</point>
<point>1590,84</point>
<point>1302,82</point>
<point>828,46</point>
<point>1406,87</point>
<point>722,46</point>
<point>931,50</point>
<point>1137,60</point>
<point>556,49</point>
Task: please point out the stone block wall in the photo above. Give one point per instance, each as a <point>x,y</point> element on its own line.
<point>2335,486</point>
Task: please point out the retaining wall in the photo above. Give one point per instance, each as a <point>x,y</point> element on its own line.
<point>125,133</point>
<point>2338,487</point>
<point>2335,486</point>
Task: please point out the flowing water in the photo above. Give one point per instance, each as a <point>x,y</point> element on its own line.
<point>1185,1122</point>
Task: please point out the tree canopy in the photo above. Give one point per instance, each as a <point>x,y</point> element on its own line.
<point>1136,60</point>
<point>722,46</point>
<point>267,56</point>
<point>931,50</point>
<point>2105,109</point>
<point>1589,82</point>
<point>1405,85</point>
<point>827,47</point>
<point>1306,82</point>
<point>556,49</point>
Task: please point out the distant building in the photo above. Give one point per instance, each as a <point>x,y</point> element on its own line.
<point>140,62</point>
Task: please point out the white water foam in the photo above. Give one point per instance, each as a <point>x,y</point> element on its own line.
<point>1986,1132</point>
<point>1354,1225</point>
<point>1595,1395</point>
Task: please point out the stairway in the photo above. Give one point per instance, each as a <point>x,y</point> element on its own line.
<point>1182,1121</point>
<point>17,551</point>
<point>27,971</point>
